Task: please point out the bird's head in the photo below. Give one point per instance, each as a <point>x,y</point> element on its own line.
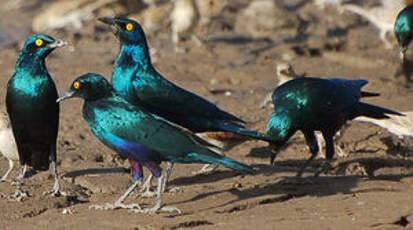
<point>403,28</point>
<point>126,30</point>
<point>41,45</point>
<point>90,86</point>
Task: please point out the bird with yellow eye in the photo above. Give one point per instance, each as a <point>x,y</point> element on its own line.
<point>33,111</point>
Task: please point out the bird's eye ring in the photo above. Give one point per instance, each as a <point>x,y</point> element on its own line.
<point>39,42</point>
<point>129,27</point>
<point>76,85</point>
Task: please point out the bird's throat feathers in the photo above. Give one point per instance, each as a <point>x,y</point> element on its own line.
<point>134,57</point>
<point>34,66</point>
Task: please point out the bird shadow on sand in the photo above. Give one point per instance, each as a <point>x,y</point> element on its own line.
<point>396,148</point>
<point>282,189</point>
<point>95,171</point>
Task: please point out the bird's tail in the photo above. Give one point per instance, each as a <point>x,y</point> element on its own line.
<point>221,160</point>
<point>368,110</point>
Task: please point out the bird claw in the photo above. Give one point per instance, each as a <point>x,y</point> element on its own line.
<point>19,195</point>
<point>155,209</point>
<point>54,193</point>
<point>109,206</point>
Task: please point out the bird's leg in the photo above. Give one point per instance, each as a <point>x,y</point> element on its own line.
<point>146,187</point>
<point>56,187</point>
<point>158,203</point>
<point>340,134</point>
<point>312,144</point>
<point>119,203</point>
<point>168,174</point>
<point>19,194</point>
<point>11,165</point>
<point>149,193</point>
<point>206,169</point>
<point>329,153</point>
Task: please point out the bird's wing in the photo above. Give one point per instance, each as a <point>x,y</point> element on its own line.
<point>161,94</point>
<point>134,125</point>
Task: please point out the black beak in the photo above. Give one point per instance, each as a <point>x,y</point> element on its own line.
<point>107,20</point>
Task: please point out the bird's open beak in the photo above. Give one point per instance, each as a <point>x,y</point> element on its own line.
<point>65,96</point>
<point>57,43</point>
<point>107,20</point>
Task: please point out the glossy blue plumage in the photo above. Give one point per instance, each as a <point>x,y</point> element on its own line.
<point>310,104</point>
<point>138,135</point>
<point>32,108</point>
<point>135,79</point>
<point>31,105</point>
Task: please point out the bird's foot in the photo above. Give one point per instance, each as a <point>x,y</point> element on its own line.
<point>150,194</point>
<point>55,193</point>
<point>116,205</point>
<point>156,209</point>
<point>206,169</point>
<point>19,195</point>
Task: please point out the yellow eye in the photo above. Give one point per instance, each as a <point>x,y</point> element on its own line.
<point>129,27</point>
<point>76,85</point>
<point>38,42</point>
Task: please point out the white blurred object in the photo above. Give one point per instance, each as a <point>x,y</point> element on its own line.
<point>8,146</point>
<point>401,126</point>
<point>262,17</point>
<point>68,12</point>
<point>322,3</point>
<point>381,17</point>
<point>209,9</point>
<point>154,17</point>
<point>394,4</point>
<point>184,17</point>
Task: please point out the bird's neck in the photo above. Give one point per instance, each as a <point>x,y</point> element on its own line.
<point>133,56</point>
<point>31,64</point>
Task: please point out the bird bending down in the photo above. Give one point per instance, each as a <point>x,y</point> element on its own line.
<point>310,104</point>
<point>32,108</point>
<point>142,137</point>
<point>7,144</point>
<point>285,72</point>
<point>136,79</point>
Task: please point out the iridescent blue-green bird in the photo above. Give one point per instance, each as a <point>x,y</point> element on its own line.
<point>314,104</point>
<point>32,108</point>
<point>403,29</point>
<point>136,79</point>
<point>142,137</point>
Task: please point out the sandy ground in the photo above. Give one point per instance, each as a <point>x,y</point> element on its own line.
<point>369,189</point>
